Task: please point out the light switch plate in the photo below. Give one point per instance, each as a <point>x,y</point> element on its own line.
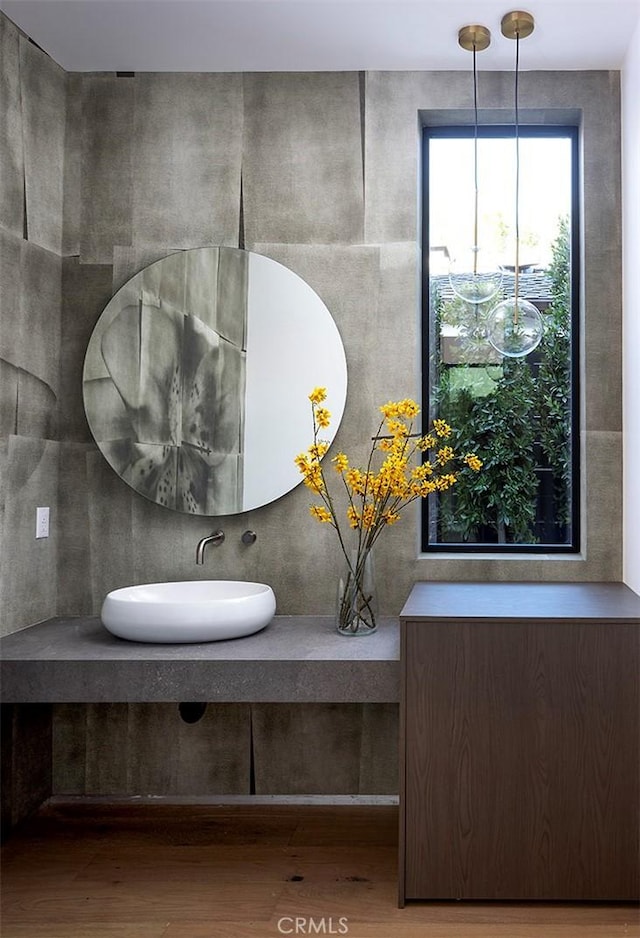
<point>42,522</point>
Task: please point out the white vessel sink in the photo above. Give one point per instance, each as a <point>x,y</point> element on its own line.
<point>189,611</point>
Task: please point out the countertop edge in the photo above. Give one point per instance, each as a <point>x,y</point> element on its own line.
<point>323,668</point>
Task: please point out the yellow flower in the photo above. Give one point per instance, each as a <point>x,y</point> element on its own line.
<point>320,512</point>
<point>353,517</point>
<point>317,450</point>
<point>318,395</point>
<point>377,486</point>
<point>397,428</point>
<point>355,480</point>
<point>444,455</point>
<point>408,408</point>
<point>442,428</point>
<point>473,462</point>
<point>368,516</point>
<point>341,463</point>
<point>385,445</point>
<point>313,478</point>
<point>302,462</point>
<point>389,409</point>
<point>322,417</point>
<point>422,488</point>
<point>400,490</point>
<point>421,472</point>
<point>425,443</point>
<point>390,517</point>
<point>445,482</point>
<point>395,460</point>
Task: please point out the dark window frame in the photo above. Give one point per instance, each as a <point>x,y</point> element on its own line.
<point>508,131</point>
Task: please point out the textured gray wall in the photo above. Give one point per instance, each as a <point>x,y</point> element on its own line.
<point>327,166</point>
<point>263,749</point>
<point>320,171</point>
<point>323,171</point>
<point>32,130</point>
<point>32,117</point>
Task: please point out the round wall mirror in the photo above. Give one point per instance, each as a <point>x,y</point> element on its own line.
<point>197,376</point>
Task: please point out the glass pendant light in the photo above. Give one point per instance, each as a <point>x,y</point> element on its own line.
<point>514,326</point>
<point>472,276</point>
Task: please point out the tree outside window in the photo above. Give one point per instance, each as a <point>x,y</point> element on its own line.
<point>516,413</point>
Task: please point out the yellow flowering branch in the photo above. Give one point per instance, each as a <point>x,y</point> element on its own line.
<point>376,499</point>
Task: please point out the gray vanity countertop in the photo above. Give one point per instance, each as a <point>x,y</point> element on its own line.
<point>296,658</point>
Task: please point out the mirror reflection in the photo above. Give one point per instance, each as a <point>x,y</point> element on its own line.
<point>197,375</point>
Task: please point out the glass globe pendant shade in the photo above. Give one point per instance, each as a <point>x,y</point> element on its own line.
<point>472,278</point>
<point>514,327</point>
<point>474,326</point>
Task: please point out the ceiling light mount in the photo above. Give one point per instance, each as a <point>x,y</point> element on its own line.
<point>517,25</point>
<point>471,277</point>
<point>474,37</point>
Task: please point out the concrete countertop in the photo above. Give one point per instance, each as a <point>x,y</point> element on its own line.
<point>296,658</point>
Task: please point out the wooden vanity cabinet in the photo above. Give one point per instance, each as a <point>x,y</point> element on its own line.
<point>520,757</point>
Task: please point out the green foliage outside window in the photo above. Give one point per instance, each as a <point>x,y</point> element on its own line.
<point>516,415</point>
<point>554,377</point>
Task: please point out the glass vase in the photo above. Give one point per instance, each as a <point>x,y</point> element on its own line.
<point>357,601</point>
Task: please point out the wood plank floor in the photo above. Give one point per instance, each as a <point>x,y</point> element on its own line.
<point>162,871</point>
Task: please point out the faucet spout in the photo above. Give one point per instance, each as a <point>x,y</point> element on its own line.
<point>216,538</point>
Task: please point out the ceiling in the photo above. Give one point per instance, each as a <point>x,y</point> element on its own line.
<point>318,35</point>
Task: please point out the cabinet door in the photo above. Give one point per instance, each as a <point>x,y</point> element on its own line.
<point>521,761</point>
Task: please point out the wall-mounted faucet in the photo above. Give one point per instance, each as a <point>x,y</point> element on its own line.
<point>216,538</point>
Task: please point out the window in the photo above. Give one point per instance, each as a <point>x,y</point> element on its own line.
<point>520,415</point>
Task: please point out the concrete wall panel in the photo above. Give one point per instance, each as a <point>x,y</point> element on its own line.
<point>28,581</point>
<point>107,167</point>
<point>11,139</point>
<point>302,162</point>
<point>187,159</point>
<point>43,95</point>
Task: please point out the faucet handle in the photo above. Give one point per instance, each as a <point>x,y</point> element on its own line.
<point>249,537</point>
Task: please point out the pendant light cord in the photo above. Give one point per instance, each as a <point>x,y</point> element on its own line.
<point>517,219</point>
<point>475,162</point>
